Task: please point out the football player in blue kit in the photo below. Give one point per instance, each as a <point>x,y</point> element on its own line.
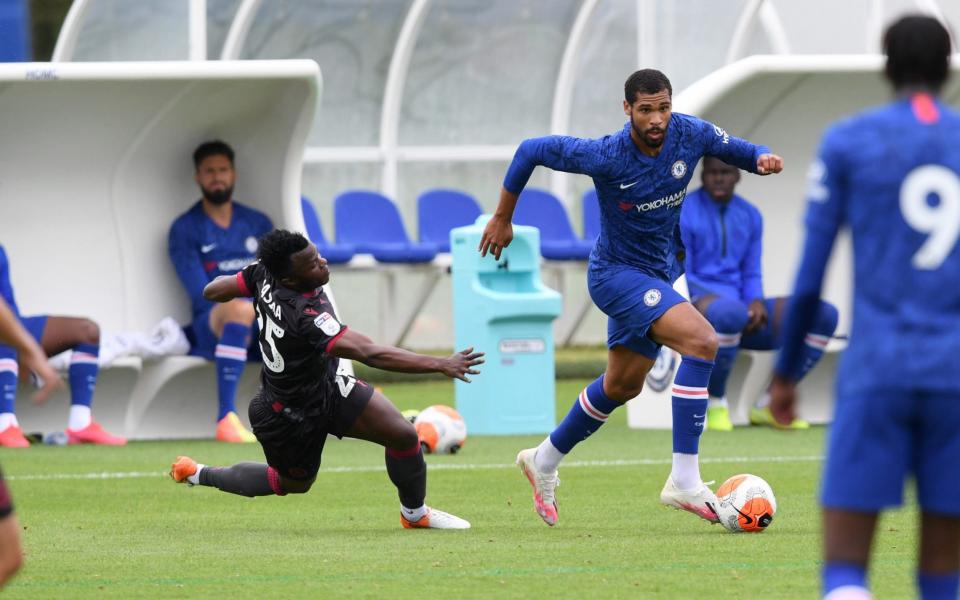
<point>641,175</point>
<point>218,236</point>
<point>722,234</point>
<point>892,176</point>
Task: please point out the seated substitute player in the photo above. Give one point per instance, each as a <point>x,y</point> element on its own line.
<point>723,237</point>
<point>892,175</point>
<point>33,359</point>
<point>54,334</point>
<point>641,175</point>
<point>218,236</point>
<point>303,398</point>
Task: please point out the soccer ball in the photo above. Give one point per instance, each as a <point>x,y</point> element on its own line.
<point>441,429</point>
<point>746,503</point>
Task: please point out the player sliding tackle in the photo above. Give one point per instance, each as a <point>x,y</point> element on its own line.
<point>302,397</point>
<point>641,175</point>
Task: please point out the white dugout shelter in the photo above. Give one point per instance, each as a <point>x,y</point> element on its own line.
<point>95,164</point>
<point>785,102</point>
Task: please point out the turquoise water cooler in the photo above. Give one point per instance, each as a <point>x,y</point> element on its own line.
<point>502,308</point>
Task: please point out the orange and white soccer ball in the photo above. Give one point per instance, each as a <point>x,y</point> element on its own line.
<point>441,429</point>
<point>746,503</point>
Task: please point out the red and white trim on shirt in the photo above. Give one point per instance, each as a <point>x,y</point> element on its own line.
<point>9,364</point>
<point>728,340</point>
<point>590,409</point>
<point>83,358</point>
<point>230,352</point>
<point>242,284</point>
<point>692,393</point>
<point>333,341</point>
<point>817,342</point>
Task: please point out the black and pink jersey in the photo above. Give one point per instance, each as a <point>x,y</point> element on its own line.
<point>296,333</point>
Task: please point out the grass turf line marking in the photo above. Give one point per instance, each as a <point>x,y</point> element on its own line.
<point>440,467</point>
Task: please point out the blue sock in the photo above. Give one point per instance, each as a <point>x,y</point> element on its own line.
<point>690,403</point>
<point>728,318</point>
<point>231,357</point>
<point>842,574</point>
<point>938,587</point>
<point>84,366</point>
<point>587,414</point>
<point>8,379</point>
<point>815,343</point>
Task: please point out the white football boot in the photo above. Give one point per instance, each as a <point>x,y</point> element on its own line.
<point>700,501</point>
<point>435,519</point>
<point>544,486</point>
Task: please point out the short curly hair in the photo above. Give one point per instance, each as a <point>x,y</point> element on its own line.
<point>918,52</point>
<point>276,248</point>
<point>645,81</point>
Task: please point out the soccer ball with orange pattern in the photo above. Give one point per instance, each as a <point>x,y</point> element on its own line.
<point>746,503</point>
<point>441,429</point>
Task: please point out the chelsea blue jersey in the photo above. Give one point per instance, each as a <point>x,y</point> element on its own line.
<point>639,195</point>
<point>201,250</point>
<point>891,176</point>
<point>6,288</point>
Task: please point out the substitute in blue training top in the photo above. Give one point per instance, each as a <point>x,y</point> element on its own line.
<point>218,236</point>
<point>891,175</point>
<point>641,174</point>
<point>723,237</point>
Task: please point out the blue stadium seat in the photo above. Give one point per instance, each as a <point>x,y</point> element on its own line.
<point>441,210</point>
<point>371,222</point>
<point>334,253</point>
<point>543,210</point>
<point>591,216</point>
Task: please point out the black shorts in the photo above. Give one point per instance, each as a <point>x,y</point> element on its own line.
<point>6,504</point>
<point>292,439</point>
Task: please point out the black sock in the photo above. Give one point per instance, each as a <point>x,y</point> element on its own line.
<point>408,472</point>
<point>246,479</point>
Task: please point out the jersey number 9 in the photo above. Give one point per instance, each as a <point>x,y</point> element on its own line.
<point>940,222</point>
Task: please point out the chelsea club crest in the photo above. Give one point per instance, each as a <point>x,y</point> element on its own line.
<point>679,169</point>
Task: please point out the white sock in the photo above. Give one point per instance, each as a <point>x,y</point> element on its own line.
<point>413,514</point>
<point>8,419</point>
<point>195,478</point>
<point>548,457</point>
<point>717,402</point>
<point>849,592</point>
<point>79,417</point>
<point>764,400</point>
<point>686,471</point>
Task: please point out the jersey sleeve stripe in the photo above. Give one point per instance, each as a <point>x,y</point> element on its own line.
<point>335,339</point>
<point>242,284</point>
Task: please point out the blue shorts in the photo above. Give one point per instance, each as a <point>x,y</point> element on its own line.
<point>34,326</point>
<point>632,300</point>
<point>203,341</point>
<point>879,439</point>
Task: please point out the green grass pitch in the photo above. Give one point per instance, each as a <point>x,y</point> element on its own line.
<point>133,533</point>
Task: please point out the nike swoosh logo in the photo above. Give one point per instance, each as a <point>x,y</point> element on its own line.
<point>745,516</point>
<point>207,248</point>
<point>623,187</point>
<point>699,416</point>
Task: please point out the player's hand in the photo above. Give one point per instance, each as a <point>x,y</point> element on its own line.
<point>458,366</point>
<point>497,235</point>
<point>756,316</point>
<point>38,365</point>
<point>769,163</point>
<point>783,400</point>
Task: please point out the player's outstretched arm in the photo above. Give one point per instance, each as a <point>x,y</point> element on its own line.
<point>355,346</point>
<point>224,289</point>
<point>498,233</point>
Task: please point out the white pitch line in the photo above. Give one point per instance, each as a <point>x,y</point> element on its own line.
<point>441,467</point>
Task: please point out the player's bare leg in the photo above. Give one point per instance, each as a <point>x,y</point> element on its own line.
<point>847,538</point>
<point>685,330</point>
<point>231,322</point>
<point>939,555</point>
<point>381,423</point>
<point>83,337</point>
